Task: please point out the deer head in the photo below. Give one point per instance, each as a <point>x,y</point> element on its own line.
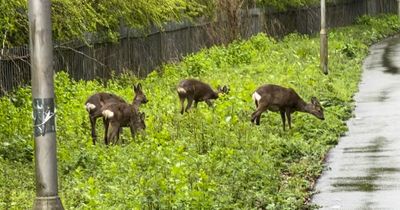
<point>224,89</point>
<point>315,108</point>
<point>139,98</point>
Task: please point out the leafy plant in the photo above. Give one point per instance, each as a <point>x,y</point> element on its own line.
<point>91,21</point>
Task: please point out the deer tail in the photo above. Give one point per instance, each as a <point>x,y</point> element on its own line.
<point>107,114</point>
<point>89,106</point>
<point>181,90</point>
<point>256,97</point>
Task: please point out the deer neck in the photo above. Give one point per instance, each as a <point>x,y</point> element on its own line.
<point>136,102</point>
<point>215,94</point>
<point>302,106</point>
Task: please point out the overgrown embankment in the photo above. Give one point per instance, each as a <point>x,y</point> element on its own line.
<point>210,158</point>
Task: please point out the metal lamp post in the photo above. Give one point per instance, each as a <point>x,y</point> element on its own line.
<point>41,52</point>
<point>324,40</point>
<point>398,8</point>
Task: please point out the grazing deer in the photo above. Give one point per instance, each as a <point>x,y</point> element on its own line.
<point>95,103</point>
<point>284,100</point>
<point>118,115</point>
<point>195,90</point>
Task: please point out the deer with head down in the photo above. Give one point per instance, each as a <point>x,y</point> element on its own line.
<point>197,91</point>
<point>119,115</point>
<point>284,100</point>
<point>95,103</point>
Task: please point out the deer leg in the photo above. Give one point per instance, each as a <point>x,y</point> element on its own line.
<point>113,131</point>
<point>259,118</point>
<point>195,103</point>
<point>118,135</point>
<point>289,119</point>
<point>105,123</point>
<point>208,102</point>
<point>256,116</point>
<point>133,132</point>
<point>182,104</point>
<point>108,133</point>
<point>93,125</point>
<point>253,117</point>
<point>190,101</point>
<point>283,119</point>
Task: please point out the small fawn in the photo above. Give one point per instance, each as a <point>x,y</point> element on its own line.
<point>195,90</point>
<point>284,100</point>
<point>118,115</point>
<point>95,103</point>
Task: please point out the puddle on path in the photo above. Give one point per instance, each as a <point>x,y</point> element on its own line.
<point>366,183</point>
<point>391,52</point>
<point>376,146</point>
<point>383,96</point>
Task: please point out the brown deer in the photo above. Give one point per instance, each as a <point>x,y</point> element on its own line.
<point>195,90</point>
<point>119,115</point>
<point>95,103</point>
<point>284,100</point>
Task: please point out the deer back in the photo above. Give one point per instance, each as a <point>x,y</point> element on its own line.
<point>198,89</point>
<point>98,100</point>
<point>276,97</point>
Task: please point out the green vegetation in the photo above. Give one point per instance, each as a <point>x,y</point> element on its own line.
<point>210,158</point>
<point>75,19</point>
<point>100,20</point>
<point>284,4</point>
<point>290,4</point>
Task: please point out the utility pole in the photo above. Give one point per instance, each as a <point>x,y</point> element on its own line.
<point>324,40</point>
<point>398,8</point>
<point>41,52</point>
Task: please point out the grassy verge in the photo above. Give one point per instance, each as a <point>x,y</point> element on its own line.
<point>211,158</point>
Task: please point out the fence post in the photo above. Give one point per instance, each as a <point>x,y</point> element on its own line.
<point>41,51</point>
<point>324,40</point>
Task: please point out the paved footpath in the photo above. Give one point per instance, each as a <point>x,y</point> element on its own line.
<point>363,170</point>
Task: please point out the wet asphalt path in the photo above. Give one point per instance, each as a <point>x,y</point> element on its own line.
<point>363,170</point>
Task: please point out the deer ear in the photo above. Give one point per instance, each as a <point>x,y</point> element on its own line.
<point>225,89</point>
<point>314,100</point>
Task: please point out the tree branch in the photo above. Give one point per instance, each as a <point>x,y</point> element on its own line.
<point>79,52</point>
